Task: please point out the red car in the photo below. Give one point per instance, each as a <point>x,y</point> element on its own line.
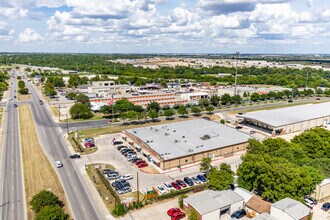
<point>171,211</point>
<point>178,215</point>
<point>139,161</point>
<point>141,165</point>
<point>88,145</point>
<point>181,183</point>
<point>176,185</point>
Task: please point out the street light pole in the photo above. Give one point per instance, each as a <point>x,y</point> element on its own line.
<point>237,53</point>
<point>67,124</point>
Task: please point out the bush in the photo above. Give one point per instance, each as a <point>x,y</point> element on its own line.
<point>192,215</point>
<point>222,121</point>
<point>51,213</point>
<point>180,200</point>
<point>119,210</point>
<point>80,110</point>
<point>23,91</point>
<point>19,77</point>
<point>44,198</point>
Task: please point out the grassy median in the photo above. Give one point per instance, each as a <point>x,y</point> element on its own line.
<point>38,172</point>
<point>24,97</point>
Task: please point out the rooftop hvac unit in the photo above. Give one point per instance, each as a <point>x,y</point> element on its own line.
<point>166,134</point>
<point>190,150</point>
<point>176,141</point>
<point>206,137</point>
<point>134,132</point>
<point>156,129</point>
<point>174,131</point>
<point>183,136</point>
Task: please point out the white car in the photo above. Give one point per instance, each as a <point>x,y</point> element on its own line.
<point>161,190</point>
<point>168,186</point>
<point>58,164</point>
<point>126,177</point>
<point>309,203</point>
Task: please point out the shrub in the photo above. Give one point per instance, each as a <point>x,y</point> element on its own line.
<point>180,200</point>
<point>44,198</point>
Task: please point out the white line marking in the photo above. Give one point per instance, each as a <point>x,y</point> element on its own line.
<point>74,188</point>
<point>12,173</point>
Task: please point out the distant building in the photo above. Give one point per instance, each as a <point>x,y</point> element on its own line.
<point>212,205</point>
<point>322,190</point>
<point>194,96</point>
<point>290,209</point>
<point>101,89</point>
<point>37,79</point>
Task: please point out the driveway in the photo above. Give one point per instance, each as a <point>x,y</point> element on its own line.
<point>318,213</point>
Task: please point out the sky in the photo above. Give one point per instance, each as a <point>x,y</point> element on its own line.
<point>165,26</point>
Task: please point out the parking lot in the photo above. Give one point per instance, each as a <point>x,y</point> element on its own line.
<point>108,154</point>
<point>318,213</point>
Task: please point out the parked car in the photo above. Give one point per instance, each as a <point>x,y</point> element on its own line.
<point>88,140</point>
<point>122,185</point>
<point>290,100</point>
<point>176,185</point>
<point>201,178</point>
<point>239,127</point>
<point>113,176</point>
<point>309,203</point>
<point>105,171</point>
<point>188,181</point>
<point>181,183</point>
<point>238,214</point>
<point>124,190</point>
<point>326,206</point>
<point>178,215</point>
<point>117,183</point>
<point>121,147</point>
<point>196,180</point>
<point>141,165</point>
<point>252,132</point>
<point>139,161</point>
<point>168,186</point>
<point>135,159</point>
<point>58,164</point>
<point>311,199</point>
<point>117,142</point>
<point>161,190</point>
<point>171,211</point>
<point>126,177</point>
<point>74,156</point>
<point>89,145</point>
<point>131,157</point>
<point>124,150</point>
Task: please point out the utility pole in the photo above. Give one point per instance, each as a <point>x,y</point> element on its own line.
<point>67,124</point>
<point>307,79</point>
<point>237,53</point>
<point>137,183</point>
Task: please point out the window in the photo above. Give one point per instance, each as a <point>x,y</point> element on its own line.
<point>106,84</point>
<point>186,161</point>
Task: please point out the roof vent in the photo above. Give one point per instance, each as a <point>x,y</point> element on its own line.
<point>166,134</point>
<point>176,141</point>
<point>206,137</point>
<point>134,132</point>
<point>174,131</point>
<point>190,150</point>
<point>183,136</point>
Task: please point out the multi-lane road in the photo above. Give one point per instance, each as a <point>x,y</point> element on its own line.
<point>12,201</point>
<point>50,137</point>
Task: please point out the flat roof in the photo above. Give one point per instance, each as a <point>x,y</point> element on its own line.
<point>289,115</point>
<point>189,137</point>
<point>209,200</point>
<point>292,207</point>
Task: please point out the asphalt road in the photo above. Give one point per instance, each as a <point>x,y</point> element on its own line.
<point>12,191</point>
<point>52,142</point>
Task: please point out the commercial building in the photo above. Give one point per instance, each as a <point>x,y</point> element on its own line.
<point>291,119</point>
<point>211,205</point>
<point>322,190</point>
<point>176,144</point>
<point>103,89</point>
<point>290,209</point>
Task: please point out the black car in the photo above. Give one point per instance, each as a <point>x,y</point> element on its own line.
<point>117,142</point>
<point>120,147</point>
<point>117,182</point>
<point>290,100</point>
<point>124,151</point>
<point>41,102</point>
<point>238,214</point>
<point>15,105</point>
<point>326,206</point>
<point>188,181</point>
<point>74,156</point>
<point>108,171</point>
<point>135,159</point>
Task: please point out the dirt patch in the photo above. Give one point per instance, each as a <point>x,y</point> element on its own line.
<point>38,172</point>
<point>24,97</point>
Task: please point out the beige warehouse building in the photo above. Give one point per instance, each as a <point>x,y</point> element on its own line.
<point>291,119</point>
<point>176,144</point>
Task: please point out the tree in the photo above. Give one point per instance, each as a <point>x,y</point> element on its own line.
<point>214,100</point>
<point>21,84</point>
<point>23,91</point>
<point>225,98</point>
<point>203,102</point>
<point>54,212</point>
<point>221,179</point>
<point>205,164</point>
<point>131,115</point>
<point>237,99</point>
<point>106,109</point>
<point>80,110</point>
<point>182,110</point>
<point>43,198</point>
<point>192,215</point>
<point>209,109</point>
<point>153,105</point>
<point>163,83</point>
<point>196,110</point>
<point>71,95</point>
<point>153,114</point>
<point>82,98</point>
<point>119,210</point>
<point>254,97</point>
<point>123,105</point>
<point>168,113</point>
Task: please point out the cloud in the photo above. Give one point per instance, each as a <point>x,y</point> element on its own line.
<point>29,36</point>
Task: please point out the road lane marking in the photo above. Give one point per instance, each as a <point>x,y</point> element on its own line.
<point>74,188</point>
<point>12,173</point>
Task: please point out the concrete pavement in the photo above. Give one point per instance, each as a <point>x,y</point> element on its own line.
<point>12,196</point>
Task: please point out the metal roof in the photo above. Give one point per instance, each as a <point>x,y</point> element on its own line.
<point>264,216</point>
<point>292,207</point>
<point>209,200</point>
<point>290,115</point>
<point>184,138</point>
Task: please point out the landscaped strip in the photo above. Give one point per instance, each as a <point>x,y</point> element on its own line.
<point>38,172</point>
